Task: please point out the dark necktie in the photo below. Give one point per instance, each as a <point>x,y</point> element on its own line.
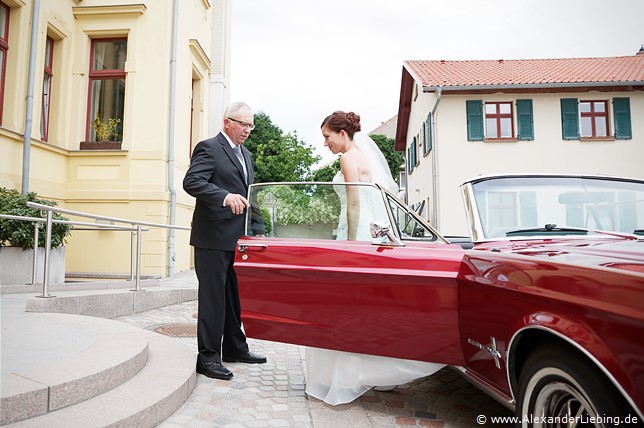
<point>238,152</point>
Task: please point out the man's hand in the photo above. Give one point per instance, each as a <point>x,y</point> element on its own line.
<point>237,203</point>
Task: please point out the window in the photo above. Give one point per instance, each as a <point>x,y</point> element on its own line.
<point>591,119</point>
<point>594,119</point>
<point>4,46</point>
<point>498,121</point>
<point>46,88</point>
<point>106,90</point>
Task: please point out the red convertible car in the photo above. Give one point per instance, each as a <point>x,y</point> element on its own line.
<point>545,312</point>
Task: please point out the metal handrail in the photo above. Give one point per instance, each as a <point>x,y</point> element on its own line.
<point>37,223</point>
<point>136,228</point>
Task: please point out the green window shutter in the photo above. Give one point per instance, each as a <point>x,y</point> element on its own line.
<point>424,138</point>
<point>622,117</point>
<point>570,118</point>
<point>429,133</point>
<point>525,121</point>
<point>475,130</point>
<point>414,153</point>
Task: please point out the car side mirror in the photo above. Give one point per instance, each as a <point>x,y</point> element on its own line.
<point>382,234</point>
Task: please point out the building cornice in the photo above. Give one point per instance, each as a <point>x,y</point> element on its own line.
<point>130,10</point>
<point>199,54</point>
<point>541,87</point>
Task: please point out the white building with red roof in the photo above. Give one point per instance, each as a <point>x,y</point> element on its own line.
<point>459,119</point>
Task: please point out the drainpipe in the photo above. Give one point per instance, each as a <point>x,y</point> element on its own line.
<point>173,95</point>
<point>29,114</point>
<point>439,93</point>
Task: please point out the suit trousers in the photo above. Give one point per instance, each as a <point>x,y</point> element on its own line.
<point>219,327</point>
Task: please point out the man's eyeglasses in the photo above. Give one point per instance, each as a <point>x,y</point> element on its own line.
<point>248,126</point>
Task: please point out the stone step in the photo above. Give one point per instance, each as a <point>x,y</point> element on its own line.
<point>106,284</point>
<point>51,361</point>
<point>126,377</point>
<point>110,303</point>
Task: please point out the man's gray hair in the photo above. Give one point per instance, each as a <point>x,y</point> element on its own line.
<point>233,108</point>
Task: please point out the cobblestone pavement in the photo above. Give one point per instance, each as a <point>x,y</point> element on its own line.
<point>272,394</point>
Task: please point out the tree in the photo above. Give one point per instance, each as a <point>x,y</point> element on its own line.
<point>394,159</point>
<point>326,172</point>
<point>278,157</point>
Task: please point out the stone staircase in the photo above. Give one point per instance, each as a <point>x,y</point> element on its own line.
<point>70,370</point>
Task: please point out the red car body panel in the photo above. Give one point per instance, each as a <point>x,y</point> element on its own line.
<point>596,308</point>
<point>353,296</point>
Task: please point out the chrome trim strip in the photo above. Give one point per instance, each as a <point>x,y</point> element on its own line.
<point>486,388</point>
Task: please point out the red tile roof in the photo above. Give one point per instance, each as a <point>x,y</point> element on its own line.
<point>528,72</point>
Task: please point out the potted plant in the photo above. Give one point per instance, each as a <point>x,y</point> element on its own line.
<point>105,129</point>
<point>17,240</point>
<point>107,132</point>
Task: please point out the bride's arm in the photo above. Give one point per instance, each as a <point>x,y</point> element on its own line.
<point>350,172</point>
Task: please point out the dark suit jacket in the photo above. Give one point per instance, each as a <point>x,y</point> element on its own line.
<point>214,172</point>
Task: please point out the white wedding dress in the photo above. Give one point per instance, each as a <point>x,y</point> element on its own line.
<point>337,377</point>
<point>370,210</point>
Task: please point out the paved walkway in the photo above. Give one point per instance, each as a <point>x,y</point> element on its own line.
<point>272,394</point>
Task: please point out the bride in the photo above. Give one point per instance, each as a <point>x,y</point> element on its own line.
<point>337,377</point>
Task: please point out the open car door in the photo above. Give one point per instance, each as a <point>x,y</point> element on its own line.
<point>300,284</point>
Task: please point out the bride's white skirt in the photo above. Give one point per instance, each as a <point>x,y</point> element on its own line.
<point>337,377</point>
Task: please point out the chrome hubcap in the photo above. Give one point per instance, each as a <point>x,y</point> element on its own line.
<point>561,405</point>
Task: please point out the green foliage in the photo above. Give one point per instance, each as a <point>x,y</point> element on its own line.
<point>278,157</point>
<point>303,204</point>
<point>19,233</point>
<point>394,158</point>
<point>266,216</point>
<point>327,172</point>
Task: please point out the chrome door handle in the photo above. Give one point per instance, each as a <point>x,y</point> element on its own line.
<point>257,247</point>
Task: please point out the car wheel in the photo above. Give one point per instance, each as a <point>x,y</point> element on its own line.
<point>561,388</point>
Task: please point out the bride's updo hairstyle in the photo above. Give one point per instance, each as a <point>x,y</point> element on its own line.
<point>341,121</point>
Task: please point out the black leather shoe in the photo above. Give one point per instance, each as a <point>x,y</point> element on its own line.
<point>248,358</point>
<point>214,370</point>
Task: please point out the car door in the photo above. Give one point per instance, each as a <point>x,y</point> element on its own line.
<point>302,286</point>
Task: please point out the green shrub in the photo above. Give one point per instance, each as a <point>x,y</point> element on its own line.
<point>20,233</point>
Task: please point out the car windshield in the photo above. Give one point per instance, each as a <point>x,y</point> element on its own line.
<point>558,205</point>
<point>319,211</point>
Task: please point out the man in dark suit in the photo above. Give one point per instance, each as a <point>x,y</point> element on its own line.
<point>219,180</point>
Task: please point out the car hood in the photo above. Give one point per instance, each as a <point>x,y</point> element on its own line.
<point>625,253</point>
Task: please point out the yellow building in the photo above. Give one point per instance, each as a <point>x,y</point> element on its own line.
<point>101,103</point>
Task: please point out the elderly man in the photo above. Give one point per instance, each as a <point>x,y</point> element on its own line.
<point>220,172</point>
